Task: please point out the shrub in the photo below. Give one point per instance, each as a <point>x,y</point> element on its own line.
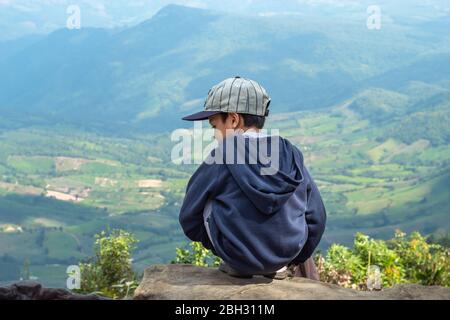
<point>198,255</point>
<point>376,252</point>
<point>424,263</point>
<point>340,267</point>
<point>110,272</point>
<point>403,259</point>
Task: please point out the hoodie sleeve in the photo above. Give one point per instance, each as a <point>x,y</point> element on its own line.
<point>315,216</point>
<point>200,188</point>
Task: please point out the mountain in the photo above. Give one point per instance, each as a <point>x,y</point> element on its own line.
<point>147,76</point>
<point>31,16</point>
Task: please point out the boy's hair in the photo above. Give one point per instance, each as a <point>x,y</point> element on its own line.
<point>249,120</point>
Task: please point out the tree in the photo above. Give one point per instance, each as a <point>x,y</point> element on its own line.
<point>110,272</point>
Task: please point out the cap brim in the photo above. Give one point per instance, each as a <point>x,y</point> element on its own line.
<point>202,115</point>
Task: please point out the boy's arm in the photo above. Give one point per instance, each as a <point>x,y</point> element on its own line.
<point>199,189</point>
<point>315,216</point>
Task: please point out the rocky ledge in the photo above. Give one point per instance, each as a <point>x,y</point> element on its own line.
<point>183,281</point>
<point>30,290</point>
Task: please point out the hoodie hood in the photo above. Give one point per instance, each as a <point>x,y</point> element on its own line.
<point>273,169</point>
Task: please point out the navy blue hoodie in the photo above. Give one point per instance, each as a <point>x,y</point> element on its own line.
<point>259,223</point>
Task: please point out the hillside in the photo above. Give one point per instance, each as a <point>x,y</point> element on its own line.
<point>377,172</point>
<point>146,76</point>
<point>374,178</point>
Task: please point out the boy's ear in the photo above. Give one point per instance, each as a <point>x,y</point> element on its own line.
<point>235,119</point>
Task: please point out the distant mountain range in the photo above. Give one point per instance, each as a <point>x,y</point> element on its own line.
<point>25,17</point>
<point>147,76</point>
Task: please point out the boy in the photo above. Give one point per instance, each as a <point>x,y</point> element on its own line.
<point>259,222</point>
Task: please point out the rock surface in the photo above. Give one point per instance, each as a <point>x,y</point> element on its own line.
<point>183,281</point>
<point>30,290</point>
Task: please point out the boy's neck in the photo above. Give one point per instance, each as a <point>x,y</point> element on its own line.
<point>251,129</point>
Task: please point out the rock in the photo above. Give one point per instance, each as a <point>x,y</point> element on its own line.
<point>183,281</point>
<point>30,290</point>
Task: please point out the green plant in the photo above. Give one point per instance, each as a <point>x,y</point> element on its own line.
<point>110,272</point>
<point>403,259</point>
<point>198,255</point>
<point>424,263</point>
<point>377,252</point>
<point>340,266</point>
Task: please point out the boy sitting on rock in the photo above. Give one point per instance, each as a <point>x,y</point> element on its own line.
<point>252,202</point>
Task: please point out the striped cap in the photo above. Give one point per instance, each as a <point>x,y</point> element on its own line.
<point>236,94</point>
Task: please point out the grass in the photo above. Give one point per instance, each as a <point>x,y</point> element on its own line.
<point>30,165</point>
<point>51,275</point>
<point>388,147</point>
<point>62,245</point>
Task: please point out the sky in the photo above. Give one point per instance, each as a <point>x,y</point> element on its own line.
<point>23,17</point>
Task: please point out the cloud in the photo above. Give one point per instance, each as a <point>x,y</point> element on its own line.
<point>276,13</point>
<point>29,25</point>
<point>100,9</point>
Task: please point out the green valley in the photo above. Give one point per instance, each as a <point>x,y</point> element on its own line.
<point>55,194</point>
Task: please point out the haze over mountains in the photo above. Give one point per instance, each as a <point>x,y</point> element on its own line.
<point>148,75</point>
<point>24,17</point>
